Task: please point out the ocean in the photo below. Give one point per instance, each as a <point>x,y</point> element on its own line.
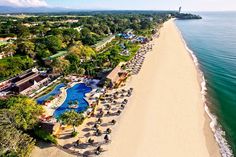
<point>212,41</point>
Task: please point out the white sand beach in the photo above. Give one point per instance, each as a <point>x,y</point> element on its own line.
<point>165,117</point>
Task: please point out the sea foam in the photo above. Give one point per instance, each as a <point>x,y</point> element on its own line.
<point>216,128</point>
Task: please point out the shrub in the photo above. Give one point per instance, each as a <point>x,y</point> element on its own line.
<point>74,133</point>
<point>45,136</point>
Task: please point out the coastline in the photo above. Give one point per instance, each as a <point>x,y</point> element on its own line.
<point>203,140</point>
<point>210,120</point>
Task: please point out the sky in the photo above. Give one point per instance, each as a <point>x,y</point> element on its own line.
<point>187,5</point>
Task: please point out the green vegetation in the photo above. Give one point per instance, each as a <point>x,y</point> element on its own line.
<point>74,134</point>
<point>42,36</point>
<point>45,136</point>
<point>18,116</point>
<point>12,66</point>
<point>72,118</point>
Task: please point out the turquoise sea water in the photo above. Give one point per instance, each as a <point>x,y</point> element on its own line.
<point>213,42</point>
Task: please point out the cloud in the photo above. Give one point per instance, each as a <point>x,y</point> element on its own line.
<point>24,3</point>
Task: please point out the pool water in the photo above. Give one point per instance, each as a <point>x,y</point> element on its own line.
<point>75,93</point>
<point>54,92</point>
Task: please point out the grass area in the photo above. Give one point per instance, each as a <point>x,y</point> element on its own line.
<point>133,49</point>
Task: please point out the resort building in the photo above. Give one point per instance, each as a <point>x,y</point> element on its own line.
<point>102,44</point>
<point>25,84</point>
<point>117,76</point>
<point>60,54</point>
<point>128,34</point>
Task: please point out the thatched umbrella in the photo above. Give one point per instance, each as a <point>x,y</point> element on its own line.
<point>98,150</point>
<point>113,121</point>
<point>95,126</point>
<point>118,112</point>
<point>99,121</point>
<point>90,141</point>
<point>77,142</point>
<point>98,132</point>
<point>108,107</point>
<point>106,138</point>
<point>108,131</point>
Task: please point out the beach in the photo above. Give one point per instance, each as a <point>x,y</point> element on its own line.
<point>165,116</point>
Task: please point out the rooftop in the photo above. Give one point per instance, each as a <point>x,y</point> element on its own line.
<point>114,74</point>
<point>59,54</point>
<point>100,43</point>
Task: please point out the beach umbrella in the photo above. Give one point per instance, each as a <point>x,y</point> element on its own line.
<point>118,112</point>
<point>106,138</point>
<point>95,126</point>
<point>108,130</point>
<point>90,141</point>
<point>98,150</point>
<point>99,121</point>
<point>77,142</point>
<point>98,132</point>
<point>108,106</point>
<point>113,121</point>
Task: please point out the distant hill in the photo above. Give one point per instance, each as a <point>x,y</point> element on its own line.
<point>28,10</point>
<point>8,9</point>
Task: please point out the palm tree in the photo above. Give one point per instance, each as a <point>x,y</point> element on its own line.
<point>72,118</point>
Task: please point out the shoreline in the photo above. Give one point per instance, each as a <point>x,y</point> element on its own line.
<point>210,120</point>
<point>216,129</point>
<point>211,146</point>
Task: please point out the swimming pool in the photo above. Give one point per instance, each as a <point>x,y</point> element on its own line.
<point>75,93</point>
<point>54,92</point>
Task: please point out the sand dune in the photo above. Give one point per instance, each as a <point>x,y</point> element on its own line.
<point>165,117</point>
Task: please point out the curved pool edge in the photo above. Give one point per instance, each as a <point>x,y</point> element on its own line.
<point>66,95</point>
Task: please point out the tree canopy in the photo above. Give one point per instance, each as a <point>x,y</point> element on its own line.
<point>72,118</point>
<point>17,116</point>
